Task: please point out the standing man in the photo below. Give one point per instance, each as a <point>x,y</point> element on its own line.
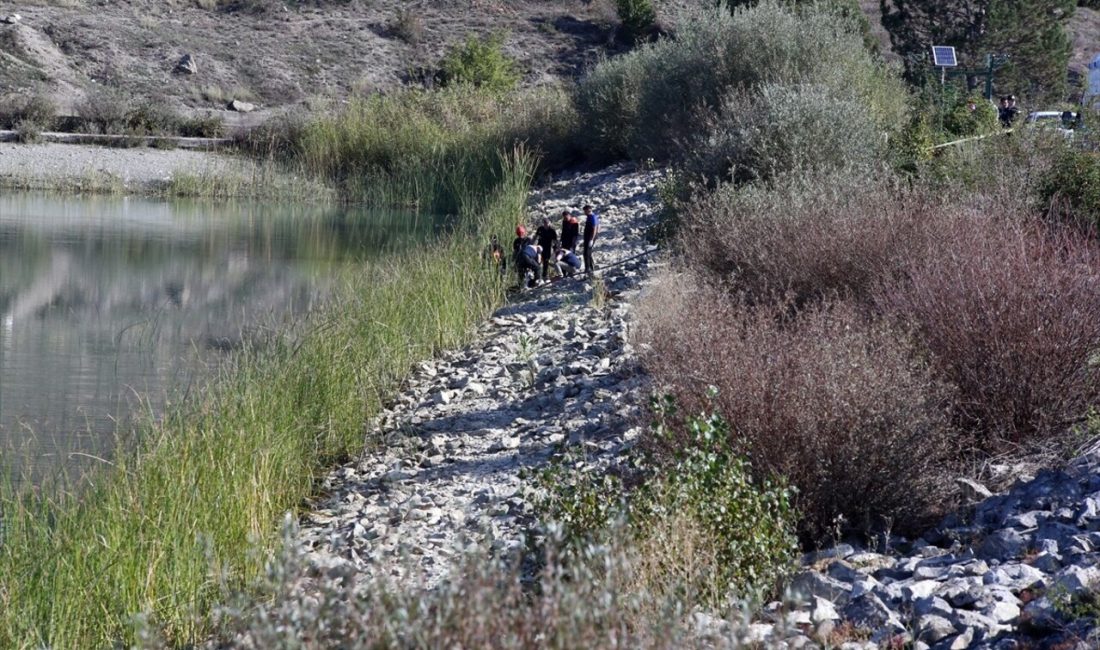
<point>1008,111</point>
<point>570,231</point>
<point>546,237</point>
<point>591,230</point>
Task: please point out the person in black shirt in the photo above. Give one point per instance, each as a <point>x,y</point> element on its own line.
<point>1008,111</point>
<point>570,231</point>
<point>546,237</point>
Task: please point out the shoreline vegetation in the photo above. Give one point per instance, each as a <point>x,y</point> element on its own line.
<point>193,504</point>
<point>847,325</point>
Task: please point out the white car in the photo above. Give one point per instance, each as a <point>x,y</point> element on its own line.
<point>1064,121</point>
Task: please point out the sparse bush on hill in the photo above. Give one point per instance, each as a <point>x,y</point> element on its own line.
<point>638,18</point>
<point>480,62</point>
<point>840,407</point>
<point>34,111</point>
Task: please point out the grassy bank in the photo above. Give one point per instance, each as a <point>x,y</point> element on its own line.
<point>197,503</point>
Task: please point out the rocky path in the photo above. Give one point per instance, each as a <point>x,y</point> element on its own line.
<point>549,371</point>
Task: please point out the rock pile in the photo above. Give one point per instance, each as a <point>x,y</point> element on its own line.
<point>1019,570</point>
<point>549,371</point>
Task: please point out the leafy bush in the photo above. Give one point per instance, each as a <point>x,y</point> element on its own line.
<point>838,406</point>
<point>751,522</point>
<point>480,62</point>
<point>202,126</point>
<point>648,103</point>
<point>1010,315</point>
<point>780,130</point>
<point>742,526</point>
<point>962,120</point>
<point>637,16</point>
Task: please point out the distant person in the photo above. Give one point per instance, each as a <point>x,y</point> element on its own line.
<point>591,231</point>
<point>567,262</point>
<point>1069,120</point>
<point>1008,112</point>
<point>570,231</point>
<point>547,238</point>
<point>495,255</point>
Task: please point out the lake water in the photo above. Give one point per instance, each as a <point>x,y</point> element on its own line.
<point>110,304</point>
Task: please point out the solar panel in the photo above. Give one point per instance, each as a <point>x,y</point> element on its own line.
<point>943,56</point>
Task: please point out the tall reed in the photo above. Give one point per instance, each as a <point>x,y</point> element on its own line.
<point>157,535</point>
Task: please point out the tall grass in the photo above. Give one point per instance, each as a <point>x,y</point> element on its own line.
<point>424,148</point>
<point>195,506</point>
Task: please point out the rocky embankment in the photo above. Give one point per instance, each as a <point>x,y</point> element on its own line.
<point>551,370</point>
<point>1017,571</point>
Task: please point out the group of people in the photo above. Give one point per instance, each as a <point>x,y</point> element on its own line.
<point>534,256</point>
<point>1007,112</point>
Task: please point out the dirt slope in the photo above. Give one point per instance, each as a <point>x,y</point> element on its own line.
<point>277,53</point>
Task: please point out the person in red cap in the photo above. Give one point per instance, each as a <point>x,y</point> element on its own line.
<point>525,254</point>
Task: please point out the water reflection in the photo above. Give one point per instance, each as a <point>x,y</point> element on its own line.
<point>103,300</point>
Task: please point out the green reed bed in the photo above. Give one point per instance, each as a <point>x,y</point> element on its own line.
<point>422,148</point>
<point>151,541</point>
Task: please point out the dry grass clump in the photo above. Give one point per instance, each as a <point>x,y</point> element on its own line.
<point>609,595</point>
<point>1010,315</point>
<point>838,405</point>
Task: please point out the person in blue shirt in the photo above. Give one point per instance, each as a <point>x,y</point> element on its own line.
<point>591,231</point>
<point>566,262</point>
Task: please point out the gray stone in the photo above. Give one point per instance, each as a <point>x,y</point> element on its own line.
<point>187,65</point>
<point>1047,562</point>
<point>811,583</point>
<point>241,107</point>
<point>1014,577</point>
<point>864,585</point>
<point>1002,611</point>
<point>840,551</point>
<point>1076,580</point>
<point>971,490</point>
<point>12,19</point>
<point>961,641</point>
<point>1004,544</point>
<point>823,610</point>
<point>932,605</point>
<point>932,628</point>
<point>870,612</point>
<point>920,589</point>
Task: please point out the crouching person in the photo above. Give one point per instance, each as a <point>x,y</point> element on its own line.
<point>567,262</point>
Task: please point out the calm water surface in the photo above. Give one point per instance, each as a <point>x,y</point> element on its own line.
<point>108,305</point>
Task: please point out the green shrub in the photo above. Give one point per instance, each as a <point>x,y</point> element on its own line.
<point>911,147</point>
<point>744,524</point>
<point>638,18</point>
<point>1070,190</point>
<point>103,111</point>
<point>750,520</point>
<point>777,131</point>
<point>480,62</point>
<point>202,126</point>
<point>649,102</point>
<point>963,121</point>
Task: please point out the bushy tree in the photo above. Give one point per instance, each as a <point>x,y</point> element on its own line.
<point>1030,32</point>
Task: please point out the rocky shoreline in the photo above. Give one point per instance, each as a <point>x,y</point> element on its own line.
<point>554,371</point>
<point>550,371</point>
